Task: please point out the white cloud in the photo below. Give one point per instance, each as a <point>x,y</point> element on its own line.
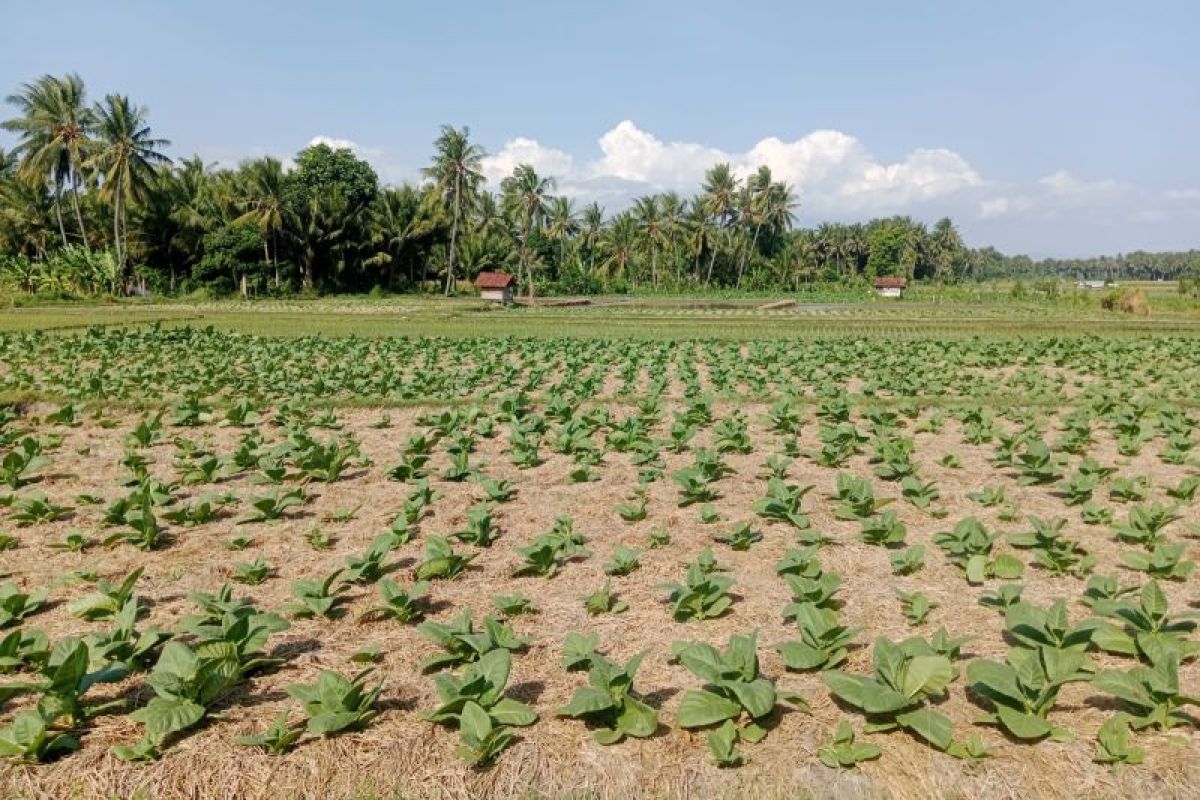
<point>546,160</point>
<point>832,172</point>
<point>335,143</point>
<point>1064,184</point>
<point>1182,194</point>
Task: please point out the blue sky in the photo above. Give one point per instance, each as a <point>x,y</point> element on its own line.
<point>1063,128</point>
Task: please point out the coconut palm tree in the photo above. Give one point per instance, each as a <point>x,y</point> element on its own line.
<point>720,192</point>
<point>125,157</point>
<point>648,214</point>
<point>54,137</point>
<point>25,214</point>
<point>456,173</point>
<point>526,197</point>
<point>591,226</point>
<point>619,246</point>
<point>263,204</point>
<point>674,211</point>
<point>400,220</point>
<point>562,223</point>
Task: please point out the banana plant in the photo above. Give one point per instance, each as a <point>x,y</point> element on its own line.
<point>609,702</point>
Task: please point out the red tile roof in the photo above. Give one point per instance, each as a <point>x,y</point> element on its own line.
<point>891,282</point>
<point>494,280</point>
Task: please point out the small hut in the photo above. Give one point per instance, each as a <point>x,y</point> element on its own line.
<point>496,287</point>
<point>891,286</point>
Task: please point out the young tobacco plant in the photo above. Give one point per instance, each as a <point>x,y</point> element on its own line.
<point>609,702</point>
<point>474,701</point>
<point>335,703</point>
<point>735,696</point>
<point>823,642</point>
<point>702,595</point>
<point>405,605</point>
<point>462,643</point>
<point>897,695</point>
<point>969,546</point>
<point>842,752</point>
<point>1022,690</point>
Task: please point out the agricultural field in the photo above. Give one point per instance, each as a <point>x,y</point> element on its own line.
<point>738,554</point>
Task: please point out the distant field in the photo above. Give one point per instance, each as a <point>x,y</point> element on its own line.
<point>603,317</point>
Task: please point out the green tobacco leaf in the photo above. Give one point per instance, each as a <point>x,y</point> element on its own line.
<point>699,708</point>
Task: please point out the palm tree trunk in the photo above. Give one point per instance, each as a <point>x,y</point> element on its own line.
<point>78,213</point>
<point>62,231</point>
<point>117,238</point>
<point>712,260</point>
<point>745,253</point>
<point>453,234</point>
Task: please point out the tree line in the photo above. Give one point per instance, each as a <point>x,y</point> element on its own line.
<point>91,203</point>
